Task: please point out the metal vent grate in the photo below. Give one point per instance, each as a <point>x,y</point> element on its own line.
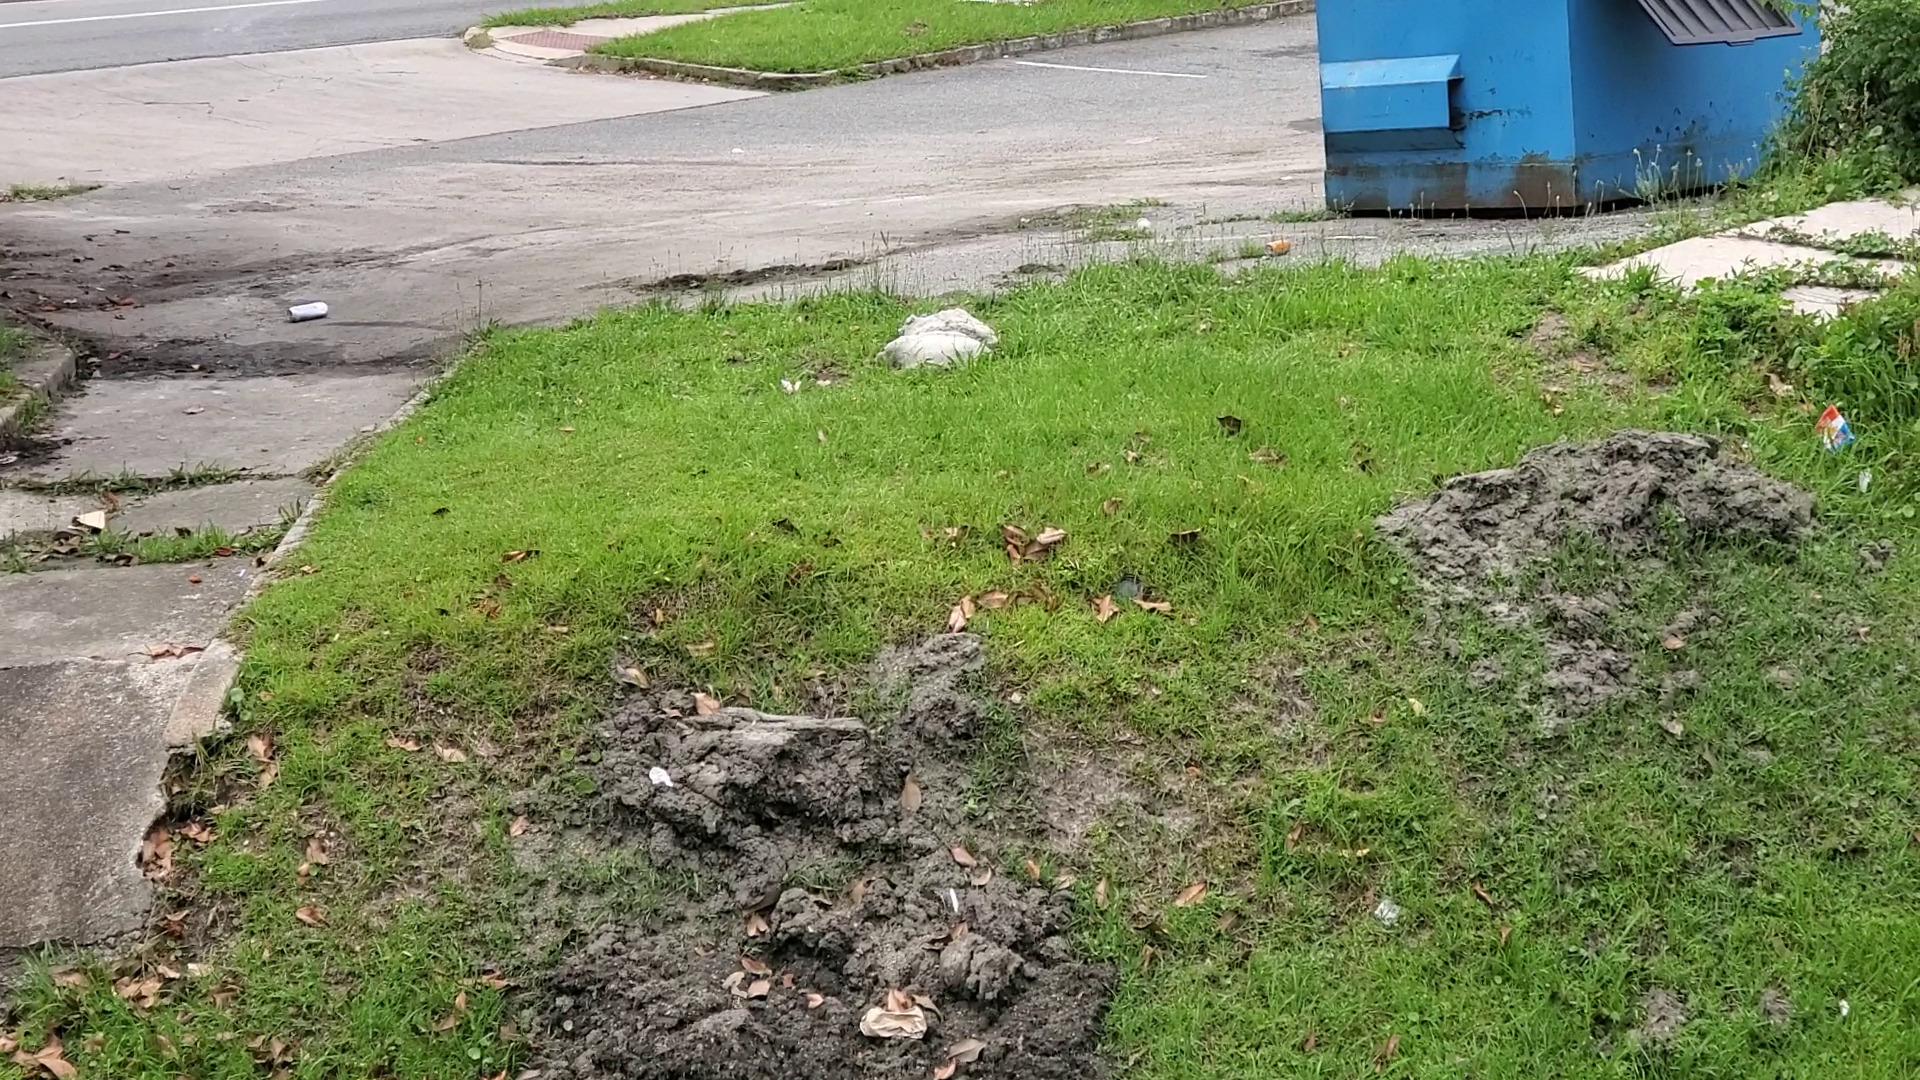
<point>1729,22</point>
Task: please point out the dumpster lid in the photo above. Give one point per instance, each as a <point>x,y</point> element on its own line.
<point>1729,22</point>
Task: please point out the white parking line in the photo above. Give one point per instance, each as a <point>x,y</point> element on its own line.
<point>154,14</point>
<point>1107,71</point>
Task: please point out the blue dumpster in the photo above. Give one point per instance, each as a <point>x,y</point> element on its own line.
<point>1547,105</point>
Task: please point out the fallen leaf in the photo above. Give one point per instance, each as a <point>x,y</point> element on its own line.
<point>815,1000</point>
<point>8,1045</point>
<point>519,826</point>
<point>1064,881</point>
<point>193,579</point>
<point>1229,424</point>
<point>72,979</point>
<point>981,876</point>
<point>1184,538</point>
<point>760,988</point>
<point>1419,707</point>
<point>735,982</point>
<point>1312,1043</point>
<point>156,853</point>
<point>1147,953</point>
<point>1191,895</point>
<point>1161,606</point>
<point>1673,726</point>
<point>888,1022</point>
<point>1100,894</point>
<point>1505,933</point>
<point>858,890</point>
<point>786,980</point>
<point>995,600</point>
<point>519,556</point>
<point>260,744</point>
<point>1268,456</point>
<point>963,856</point>
<point>50,1057</point>
<point>492,979</point>
<point>910,796</point>
<point>704,705</point>
<point>1780,388</point>
<point>1480,892</point>
<point>756,925</point>
<point>1111,506</point>
<point>452,755</point>
<point>966,1051</point>
<point>946,1069</point>
<point>1673,643</point>
<point>1104,608</point>
<point>754,966</point>
<point>446,1023</point>
<point>701,648</point>
<point>398,743</point>
<point>632,676</point>
<point>198,832</point>
<point>926,1003</point>
<point>92,520</point>
<point>1294,834</point>
<point>311,915</point>
<point>1387,1053</point>
<point>961,613</point>
<point>568,430</point>
<point>1050,536</point>
<point>1033,868</point>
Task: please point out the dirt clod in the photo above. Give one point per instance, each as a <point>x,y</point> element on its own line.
<point>798,820</point>
<point>1664,1015</point>
<point>1475,542</point>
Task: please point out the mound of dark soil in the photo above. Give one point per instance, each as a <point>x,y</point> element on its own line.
<point>1472,542</point>
<point>824,853</point>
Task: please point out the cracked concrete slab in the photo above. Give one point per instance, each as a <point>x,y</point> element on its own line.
<point>233,508</point>
<point>79,787</point>
<point>1840,222</point>
<point>1694,260</point>
<point>29,512</point>
<point>274,425</point>
<point>116,613</point>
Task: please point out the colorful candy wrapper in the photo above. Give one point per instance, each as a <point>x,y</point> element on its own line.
<point>1835,434</point>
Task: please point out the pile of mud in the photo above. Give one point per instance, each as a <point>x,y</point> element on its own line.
<point>831,866</point>
<point>1634,493</point>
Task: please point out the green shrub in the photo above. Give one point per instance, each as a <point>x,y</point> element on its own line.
<point>1860,101</point>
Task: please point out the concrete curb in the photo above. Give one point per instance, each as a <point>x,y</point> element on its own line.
<point>200,710</point>
<point>46,372</point>
<point>955,57</point>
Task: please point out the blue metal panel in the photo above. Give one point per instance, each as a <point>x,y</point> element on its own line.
<point>1388,95</point>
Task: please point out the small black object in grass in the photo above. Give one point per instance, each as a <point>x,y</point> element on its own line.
<point>1229,424</point>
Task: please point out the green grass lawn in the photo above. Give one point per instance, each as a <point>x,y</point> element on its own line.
<point>832,35</point>
<point>425,682</point>
<point>13,343</point>
<point>613,9</point>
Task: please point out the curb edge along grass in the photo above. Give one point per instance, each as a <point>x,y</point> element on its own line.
<point>45,373</point>
<point>199,711</point>
<point>954,57</point>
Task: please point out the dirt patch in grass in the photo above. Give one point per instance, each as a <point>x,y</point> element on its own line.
<point>835,862</point>
<point>1482,541</point>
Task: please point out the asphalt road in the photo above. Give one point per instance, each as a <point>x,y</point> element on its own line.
<point>40,36</point>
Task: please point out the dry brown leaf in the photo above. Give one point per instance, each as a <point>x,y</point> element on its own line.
<point>1191,895</point>
<point>1673,643</point>
<point>995,600</point>
<point>760,988</point>
<point>1147,953</point>
<point>1161,606</point>
<point>735,982</point>
<point>140,993</point>
<point>756,925</point>
<point>702,648</point>
<point>926,1003</point>
<point>156,853</point>
<point>815,1000</point>
<point>1267,455</point>
<point>260,745</point>
<point>966,1051</point>
<point>311,915</point>
<point>858,891</point>
<point>632,676</point>
<point>1184,538</point>
<point>452,755</point>
<point>705,705</point>
<point>1100,893</point>
<point>910,795</point>
<point>963,856</point>
<point>519,556</point>
<point>1104,608</point>
<point>1673,726</point>
<point>198,832</point>
<point>1294,834</point>
<point>50,1057</point>
<point>1033,868</point>
<point>8,1044</point>
<point>961,614</point>
<point>71,978</point>
<point>1064,881</point>
<point>754,966</point>
<point>493,980</point>
<point>398,743</point>
<point>946,1069</point>
<point>1111,506</point>
<point>268,774</point>
<point>519,826</point>
<point>1505,933</point>
<point>1481,893</point>
<point>1780,388</point>
<point>317,851</point>
<point>981,876</point>
<point>1387,1053</point>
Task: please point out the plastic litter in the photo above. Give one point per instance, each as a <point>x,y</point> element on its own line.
<point>660,777</point>
<point>1835,433</point>
<point>307,312</point>
<point>939,340</point>
<point>1387,911</point>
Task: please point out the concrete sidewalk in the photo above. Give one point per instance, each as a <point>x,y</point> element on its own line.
<point>1812,244</point>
